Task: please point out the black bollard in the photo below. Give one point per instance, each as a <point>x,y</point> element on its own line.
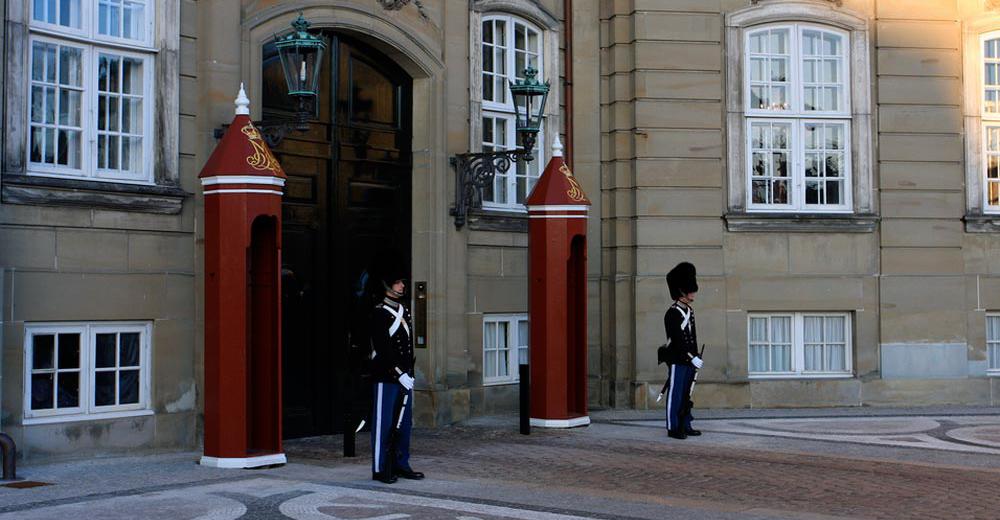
<point>9,455</point>
<point>524,374</point>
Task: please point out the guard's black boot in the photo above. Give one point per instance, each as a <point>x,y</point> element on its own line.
<point>409,474</point>
<point>385,477</point>
<point>691,432</point>
<point>676,434</point>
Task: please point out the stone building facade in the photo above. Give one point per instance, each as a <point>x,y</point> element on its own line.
<point>830,166</point>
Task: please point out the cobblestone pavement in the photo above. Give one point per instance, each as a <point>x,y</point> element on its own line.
<point>748,465</point>
<point>640,464</point>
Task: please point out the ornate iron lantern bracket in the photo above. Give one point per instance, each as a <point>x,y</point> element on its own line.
<point>474,172</point>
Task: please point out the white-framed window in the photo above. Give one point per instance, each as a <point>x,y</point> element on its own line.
<point>798,119</point>
<point>799,344</point>
<point>509,45</point>
<point>86,370</point>
<point>990,114</point>
<point>993,342</point>
<point>90,112</point>
<point>505,346</point>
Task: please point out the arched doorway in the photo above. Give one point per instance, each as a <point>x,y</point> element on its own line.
<point>346,210</point>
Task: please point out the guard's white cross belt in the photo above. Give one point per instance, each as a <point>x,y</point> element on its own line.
<point>398,321</point>
<point>686,324</point>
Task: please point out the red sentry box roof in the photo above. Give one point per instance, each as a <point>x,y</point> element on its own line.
<point>557,187</point>
<point>242,151</point>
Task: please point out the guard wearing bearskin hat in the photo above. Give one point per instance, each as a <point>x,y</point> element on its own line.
<point>682,349</point>
<point>392,371</point>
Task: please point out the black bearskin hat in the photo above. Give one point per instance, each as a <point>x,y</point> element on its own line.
<point>390,275</point>
<point>681,280</point>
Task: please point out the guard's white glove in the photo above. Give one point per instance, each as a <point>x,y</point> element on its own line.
<point>697,362</point>
<point>406,381</point>
<point>659,398</point>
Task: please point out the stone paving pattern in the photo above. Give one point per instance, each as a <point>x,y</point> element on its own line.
<point>623,466</point>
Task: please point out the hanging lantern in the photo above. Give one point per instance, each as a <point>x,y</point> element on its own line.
<point>301,56</point>
<point>528,109</point>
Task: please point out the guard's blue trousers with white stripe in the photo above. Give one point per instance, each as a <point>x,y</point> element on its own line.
<point>383,421</point>
<point>678,395</point>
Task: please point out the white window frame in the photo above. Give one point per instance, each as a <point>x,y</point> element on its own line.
<point>798,346</point>
<point>827,16</point>
<point>92,43</point>
<point>798,117</point>
<point>505,110</point>
<point>993,358</point>
<point>513,372</point>
<point>988,120</point>
<point>87,409</point>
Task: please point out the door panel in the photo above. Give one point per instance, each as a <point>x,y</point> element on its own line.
<point>346,209</point>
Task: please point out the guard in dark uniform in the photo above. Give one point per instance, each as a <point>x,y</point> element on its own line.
<point>682,349</point>
<point>392,372</point>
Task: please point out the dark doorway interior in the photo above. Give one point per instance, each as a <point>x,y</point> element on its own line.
<point>346,212</point>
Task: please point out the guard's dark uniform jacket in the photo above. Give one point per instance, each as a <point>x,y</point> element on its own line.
<point>681,334</point>
<point>392,347</point>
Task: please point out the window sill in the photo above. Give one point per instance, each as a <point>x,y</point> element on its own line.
<point>50,191</point>
<point>500,383</point>
<point>800,222</point>
<point>982,223</point>
<point>53,419</point>
<point>497,220</point>
<point>798,377</point>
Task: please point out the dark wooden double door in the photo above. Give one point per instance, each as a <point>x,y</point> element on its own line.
<point>346,214</point>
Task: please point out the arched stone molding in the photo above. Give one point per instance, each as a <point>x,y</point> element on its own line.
<point>417,50</point>
<point>821,12</point>
<point>527,9</point>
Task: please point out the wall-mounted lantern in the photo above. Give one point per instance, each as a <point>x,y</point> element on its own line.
<point>475,171</point>
<point>301,55</point>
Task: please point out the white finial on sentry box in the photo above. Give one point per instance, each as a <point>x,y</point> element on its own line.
<point>242,103</point>
<point>557,147</point>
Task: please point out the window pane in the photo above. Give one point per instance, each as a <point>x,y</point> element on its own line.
<point>69,389</point>
<point>43,351</point>
<point>758,358</point>
<point>781,329</point>
<point>490,336</point>
<point>104,388</point>
<point>778,43</point>
<point>105,351</point>
<point>132,76</point>
<point>781,358</point>
<point>129,355</point>
<point>831,44</point>
<point>50,63</point>
<point>69,107</point>
<point>813,329</point>
<point>70,66</point>
<point>128,387</point>
<point>837,361</point>
<point>42,391</point>
<point>779,69</point>
<point>813,358</point>
<point>488,31</point>
<point>69,351</point>
<point>133,20</point>
<point>757,69</point>
<point>835,326</point>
